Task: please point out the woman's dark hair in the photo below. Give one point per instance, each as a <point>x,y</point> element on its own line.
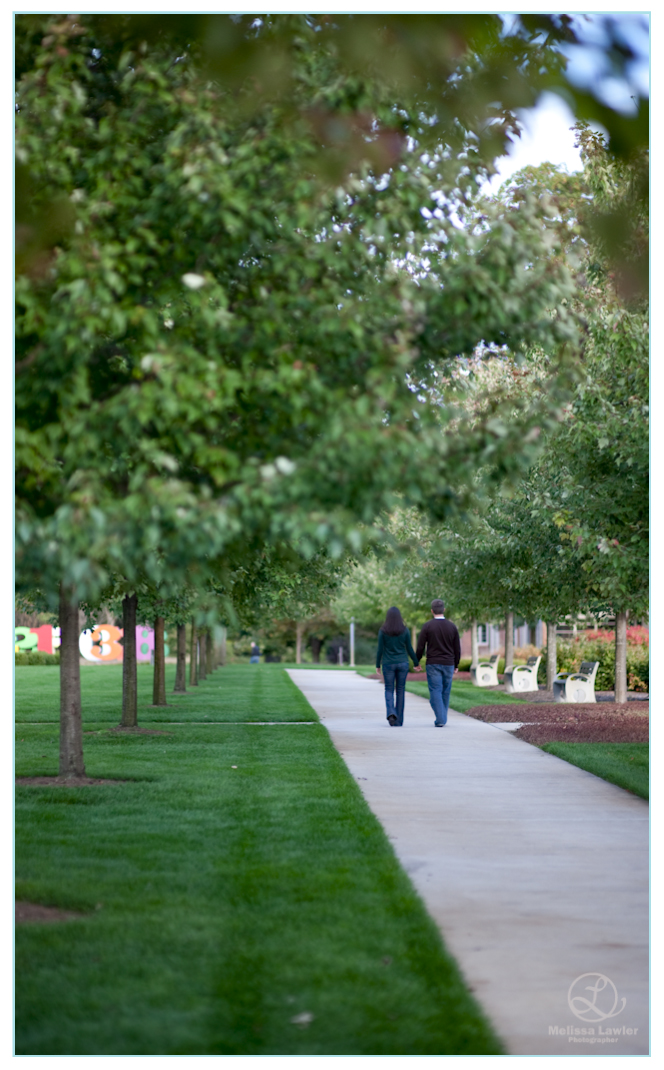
<point>394,624</point>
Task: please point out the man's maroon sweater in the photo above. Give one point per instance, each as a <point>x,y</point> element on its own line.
<point>441,639</point>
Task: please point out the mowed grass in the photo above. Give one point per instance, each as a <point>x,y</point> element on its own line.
<point>624,764</point>
<point>464,695</point>
<point>221,903</point>
<point>235,693</point>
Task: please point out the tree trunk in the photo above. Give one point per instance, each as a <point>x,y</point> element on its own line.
<point>129,680</point>
<point>551,654</point>
<point>299,629</point>
<point>316,644</point>
<point>222,646</point>
<point>159,685</point>
<point>181,666</point>
<point>413,637</point>
<point>202,655</point>
<point>621,657</point>
<point>474,650</point>
<point>509,639</point>
<point>193,657</point>
<point>209,657</point>
<point>71,731</point>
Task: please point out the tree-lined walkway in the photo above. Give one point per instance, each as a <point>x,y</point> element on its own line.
<point>535,871</point>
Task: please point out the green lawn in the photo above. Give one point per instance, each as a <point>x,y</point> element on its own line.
<point>219,903</point>
<point>236,693</point>
<point>624,764</point>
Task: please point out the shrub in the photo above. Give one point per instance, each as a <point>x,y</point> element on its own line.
<point>276,650</point>
<point>332,649</point>
<point>272,649</point>
<point>522,653</point>
<point>600,646</point>
<point>465,663</point>
<point>36,657</point>
<point>242,647</point>
<point>365,650</point>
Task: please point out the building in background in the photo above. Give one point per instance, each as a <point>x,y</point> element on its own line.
<point>491,638</point>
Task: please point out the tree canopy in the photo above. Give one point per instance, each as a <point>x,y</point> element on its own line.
<point>226,338</point>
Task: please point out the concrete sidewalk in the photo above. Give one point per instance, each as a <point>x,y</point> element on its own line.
<point>535,871</point>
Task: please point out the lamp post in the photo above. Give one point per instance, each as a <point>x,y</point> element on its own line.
<point>352,642</point>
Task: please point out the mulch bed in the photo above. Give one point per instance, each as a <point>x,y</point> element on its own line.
<point>66,782</point>
<point>26,912</point>
<point>556,712</point>
<point>599,730</point>
<point>578,722</point>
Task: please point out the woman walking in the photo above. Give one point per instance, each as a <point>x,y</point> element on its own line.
<point>394,647</point>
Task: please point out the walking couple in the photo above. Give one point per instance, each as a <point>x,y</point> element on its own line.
<point>440,639</point>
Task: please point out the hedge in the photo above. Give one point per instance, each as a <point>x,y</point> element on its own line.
<point>36,657</point>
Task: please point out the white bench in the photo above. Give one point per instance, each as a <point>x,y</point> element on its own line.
<point>576,686</point>
<point>523,677</point>
<point>485,673</point>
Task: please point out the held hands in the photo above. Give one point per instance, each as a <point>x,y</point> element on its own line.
<point>418,668</point>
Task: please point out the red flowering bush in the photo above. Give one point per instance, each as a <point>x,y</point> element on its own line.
<point>637,635</point>
<point>600,646</point>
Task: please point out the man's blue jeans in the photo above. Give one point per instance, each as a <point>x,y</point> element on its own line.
<point>395,676</point>
<point>439,679</point>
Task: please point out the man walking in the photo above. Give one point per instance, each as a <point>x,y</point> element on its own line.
<point>443,651</point>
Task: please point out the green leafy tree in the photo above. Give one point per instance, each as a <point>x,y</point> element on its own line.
<point>222,337</point>
<point>396,572</point>
<point>574,536</point>
<point>597,463</point>
<point>276,583</point>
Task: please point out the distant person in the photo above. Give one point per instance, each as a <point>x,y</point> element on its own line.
<point>255,654</point>
<point>443,651</point>
<point>394,647</point>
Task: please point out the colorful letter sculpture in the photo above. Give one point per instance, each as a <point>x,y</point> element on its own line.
<point>46,638</point>
<point>100,644</point>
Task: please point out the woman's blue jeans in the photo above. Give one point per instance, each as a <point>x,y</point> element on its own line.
<point>395,677</point>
